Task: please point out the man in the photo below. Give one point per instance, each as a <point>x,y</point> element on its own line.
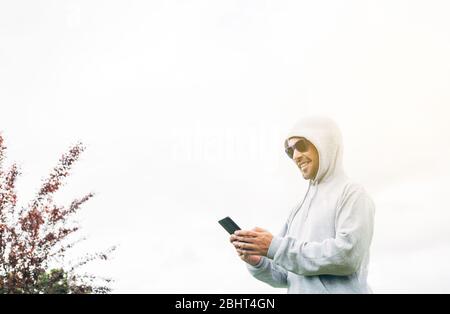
<point>324,244</point>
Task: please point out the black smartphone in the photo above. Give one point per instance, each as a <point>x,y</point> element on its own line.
<point>229,225</point>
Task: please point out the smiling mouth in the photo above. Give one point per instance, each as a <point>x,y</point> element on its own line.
<point>303,165</point>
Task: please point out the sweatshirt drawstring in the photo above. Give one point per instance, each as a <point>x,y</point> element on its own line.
<point>298,208</point>
<point>310,202</point>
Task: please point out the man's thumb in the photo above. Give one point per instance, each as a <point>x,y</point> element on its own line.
<point>258,229</point>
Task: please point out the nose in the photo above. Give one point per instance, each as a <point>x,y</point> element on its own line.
<point>297,155</point>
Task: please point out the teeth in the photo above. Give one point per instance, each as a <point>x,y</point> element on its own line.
<point>303,165</point>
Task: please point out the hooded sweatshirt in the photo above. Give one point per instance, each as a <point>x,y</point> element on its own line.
<point>323,246</point>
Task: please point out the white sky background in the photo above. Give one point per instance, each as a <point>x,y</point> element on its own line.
<point>184,105</point>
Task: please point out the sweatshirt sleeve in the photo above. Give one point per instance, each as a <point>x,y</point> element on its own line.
<point>341,255</point>
<point>267,271</point>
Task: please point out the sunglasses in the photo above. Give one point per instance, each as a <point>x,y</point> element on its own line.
<point>301,146</point>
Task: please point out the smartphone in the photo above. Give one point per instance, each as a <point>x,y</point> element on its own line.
<point>229,225</point>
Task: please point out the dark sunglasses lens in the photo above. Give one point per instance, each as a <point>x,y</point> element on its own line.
<point>290,152</point>
<point>301,146</point>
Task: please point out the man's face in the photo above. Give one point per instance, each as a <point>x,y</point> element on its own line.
<point>307,158</point>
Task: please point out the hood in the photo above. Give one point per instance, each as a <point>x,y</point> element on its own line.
<point>325,135</point>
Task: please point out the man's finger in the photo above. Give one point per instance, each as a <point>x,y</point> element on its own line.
<point>245,246</point>
<point>246,233</point>
<point>246,239</point>
<point>248,252</point>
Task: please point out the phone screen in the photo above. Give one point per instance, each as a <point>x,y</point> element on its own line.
<point>229,225</point>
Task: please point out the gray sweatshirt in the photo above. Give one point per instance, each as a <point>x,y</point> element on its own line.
<point>324,245</point>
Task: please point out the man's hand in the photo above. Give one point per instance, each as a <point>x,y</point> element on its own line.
<point>250,259</point>
<point>255,242</point>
